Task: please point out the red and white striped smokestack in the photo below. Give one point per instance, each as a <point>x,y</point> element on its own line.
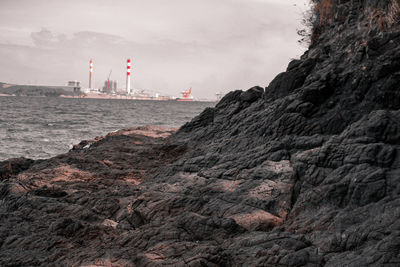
<point>91,74</point>
<point>128,76</point>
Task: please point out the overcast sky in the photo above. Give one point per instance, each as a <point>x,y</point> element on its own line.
<point>209,45</point>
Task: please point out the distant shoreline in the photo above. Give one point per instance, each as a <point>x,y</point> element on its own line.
<point>106,97</point>
<point>71,92</point>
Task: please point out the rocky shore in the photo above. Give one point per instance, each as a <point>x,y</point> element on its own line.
<point>304,172</point>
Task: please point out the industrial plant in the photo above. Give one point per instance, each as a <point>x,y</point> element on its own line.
<point>110,88</point>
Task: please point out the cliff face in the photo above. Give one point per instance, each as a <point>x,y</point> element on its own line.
<point>303,172</point>
<point>333,120</point>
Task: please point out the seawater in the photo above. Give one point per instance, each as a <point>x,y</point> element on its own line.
<point>42,127</point>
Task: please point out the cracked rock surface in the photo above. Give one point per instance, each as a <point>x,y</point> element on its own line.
<point>304,172</point>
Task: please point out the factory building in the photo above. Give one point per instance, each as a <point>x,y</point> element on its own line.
<point>110,87</point>
<point>74,85</point>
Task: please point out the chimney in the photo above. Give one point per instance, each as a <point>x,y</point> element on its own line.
<point>91,74</point>
<point>128,76</point>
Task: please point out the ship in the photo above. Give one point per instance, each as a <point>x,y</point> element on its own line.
<point>186,95</point>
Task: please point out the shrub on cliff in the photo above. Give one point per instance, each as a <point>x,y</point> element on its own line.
<point>381,15</point>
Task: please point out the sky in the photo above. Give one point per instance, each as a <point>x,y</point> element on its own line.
<point>210,45</point>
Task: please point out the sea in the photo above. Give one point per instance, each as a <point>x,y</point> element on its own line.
<point>43,127</point>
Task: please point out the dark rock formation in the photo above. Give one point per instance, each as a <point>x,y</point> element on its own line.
<point>305,173</point>
<point>14,166</point>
